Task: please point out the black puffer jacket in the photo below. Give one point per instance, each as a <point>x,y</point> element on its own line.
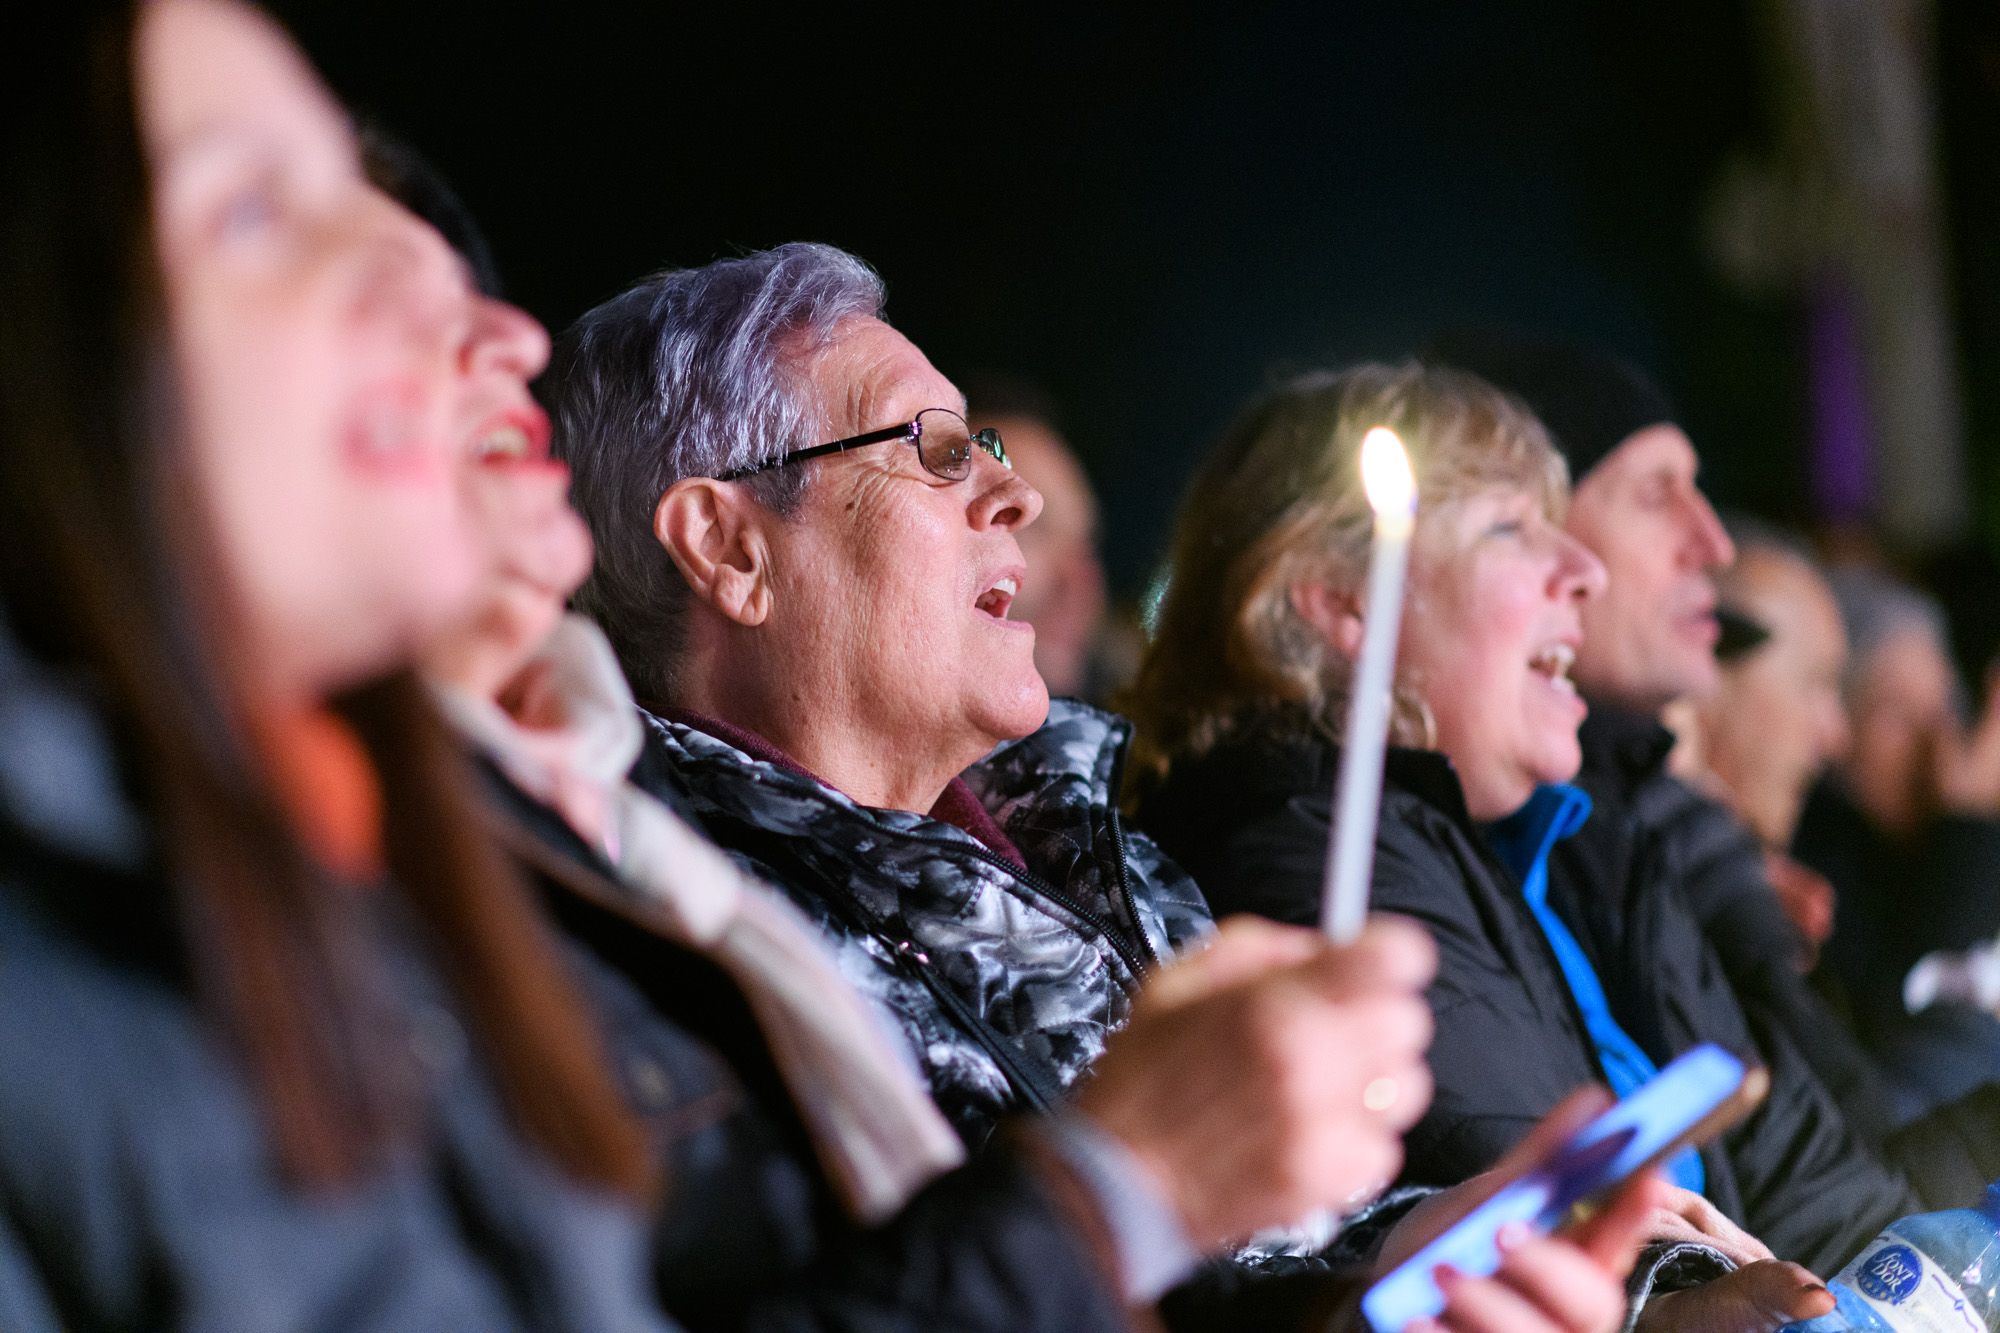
<point>753,1235</point>
<point>1950,1154</point>
<point>1250,818</point>
<point>1006,978</point>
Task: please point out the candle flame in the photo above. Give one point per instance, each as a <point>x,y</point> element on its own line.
<point>1385,473</point>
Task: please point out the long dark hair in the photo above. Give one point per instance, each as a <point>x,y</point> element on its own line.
<point>107,575</point>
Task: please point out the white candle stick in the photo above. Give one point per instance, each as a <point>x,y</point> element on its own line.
<point>1350,853</point>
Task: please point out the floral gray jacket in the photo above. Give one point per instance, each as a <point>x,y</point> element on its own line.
<point>1006,980</point>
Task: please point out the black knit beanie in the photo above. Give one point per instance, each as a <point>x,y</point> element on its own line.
<point>1591,403</point>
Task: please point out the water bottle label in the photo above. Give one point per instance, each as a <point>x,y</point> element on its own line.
<point>1908,1290</point>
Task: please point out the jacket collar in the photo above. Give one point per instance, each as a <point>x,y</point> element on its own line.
<point>1290,752</point>
<point>956,804</point>
<point>749,742</point>
<point>1076,742</point>
<point>1553,812</point>
<point>1428,776</point>
<point>1524,839</point>
<point>1622,744</point>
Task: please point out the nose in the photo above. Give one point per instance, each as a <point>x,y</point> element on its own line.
<point>1003,498</point>
<point>1708,543</point>
<point>411,278</point>
<point>505,339</point>
<point>1579,574</point>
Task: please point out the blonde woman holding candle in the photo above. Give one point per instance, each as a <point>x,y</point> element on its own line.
<point>1240,703</point>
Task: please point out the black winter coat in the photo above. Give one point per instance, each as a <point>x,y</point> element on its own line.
<point>1250,820</point>
<point>753,1236</point>
<point>139,1188</point>
<point>1006,979</point>
<point>1950,1154</point>
<point>1720,870</point>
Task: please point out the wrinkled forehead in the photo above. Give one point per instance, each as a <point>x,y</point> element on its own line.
<point>870,376</point>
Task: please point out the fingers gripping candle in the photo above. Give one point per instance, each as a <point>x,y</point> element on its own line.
<point>1350,853</point>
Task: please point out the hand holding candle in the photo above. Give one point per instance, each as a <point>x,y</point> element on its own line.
<point>1350,853</point>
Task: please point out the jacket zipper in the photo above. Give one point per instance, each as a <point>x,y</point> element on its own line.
<point>1118,855</point>
<point>1032,1090</point>
<point>1567,999</point>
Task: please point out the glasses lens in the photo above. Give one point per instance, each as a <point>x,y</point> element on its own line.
<point>989,440</point>
<point>944,444</point>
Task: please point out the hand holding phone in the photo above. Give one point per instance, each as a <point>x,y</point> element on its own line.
<point>1688,1102</point>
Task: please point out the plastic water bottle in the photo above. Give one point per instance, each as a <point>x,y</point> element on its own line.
<point>1931,1273</point>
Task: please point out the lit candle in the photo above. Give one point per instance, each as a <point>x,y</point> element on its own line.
<point>1350,854</point>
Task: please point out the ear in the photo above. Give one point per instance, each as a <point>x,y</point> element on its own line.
<point>1336,615</point>
<point>714,534</point>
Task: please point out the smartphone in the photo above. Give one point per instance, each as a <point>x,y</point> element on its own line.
<point>1688,1103</point>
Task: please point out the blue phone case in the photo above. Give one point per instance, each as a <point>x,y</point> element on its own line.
<point>1601,1154</point>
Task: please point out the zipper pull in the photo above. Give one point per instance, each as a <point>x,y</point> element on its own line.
<point>909,949</point>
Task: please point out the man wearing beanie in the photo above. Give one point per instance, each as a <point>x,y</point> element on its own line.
<point>1662,882</point>
<point>1651,638</point>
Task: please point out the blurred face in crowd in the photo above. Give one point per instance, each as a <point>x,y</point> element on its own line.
<point>892,590</point>
<point>1492,620</point>
<point>1898,709</point>
<point>1775,719</point>
<point>537,549</point>
<point>1651,637</point>
<point>318,329</point>
<point>1063,597</point>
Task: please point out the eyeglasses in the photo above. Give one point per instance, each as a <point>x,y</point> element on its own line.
<point>944,446</point>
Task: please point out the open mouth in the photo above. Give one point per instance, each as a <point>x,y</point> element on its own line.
<point>1553,663</point>
<point>996,600</point>
<point>515,438</point>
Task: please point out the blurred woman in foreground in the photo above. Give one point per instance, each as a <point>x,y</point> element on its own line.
<point>282,1044</point>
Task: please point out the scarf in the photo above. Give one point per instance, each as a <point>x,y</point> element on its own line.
<point>876,1131</point>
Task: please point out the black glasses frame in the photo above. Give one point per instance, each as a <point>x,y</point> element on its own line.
<point>911,431</point>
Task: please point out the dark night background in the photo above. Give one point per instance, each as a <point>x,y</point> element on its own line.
<point>1147,213</point>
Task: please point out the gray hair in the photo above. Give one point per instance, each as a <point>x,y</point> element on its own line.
<point>691,373</point>
<point>1750,533</point>
<point>1877,608</point>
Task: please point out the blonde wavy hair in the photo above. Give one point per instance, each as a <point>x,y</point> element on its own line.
<point>1279,503</point>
